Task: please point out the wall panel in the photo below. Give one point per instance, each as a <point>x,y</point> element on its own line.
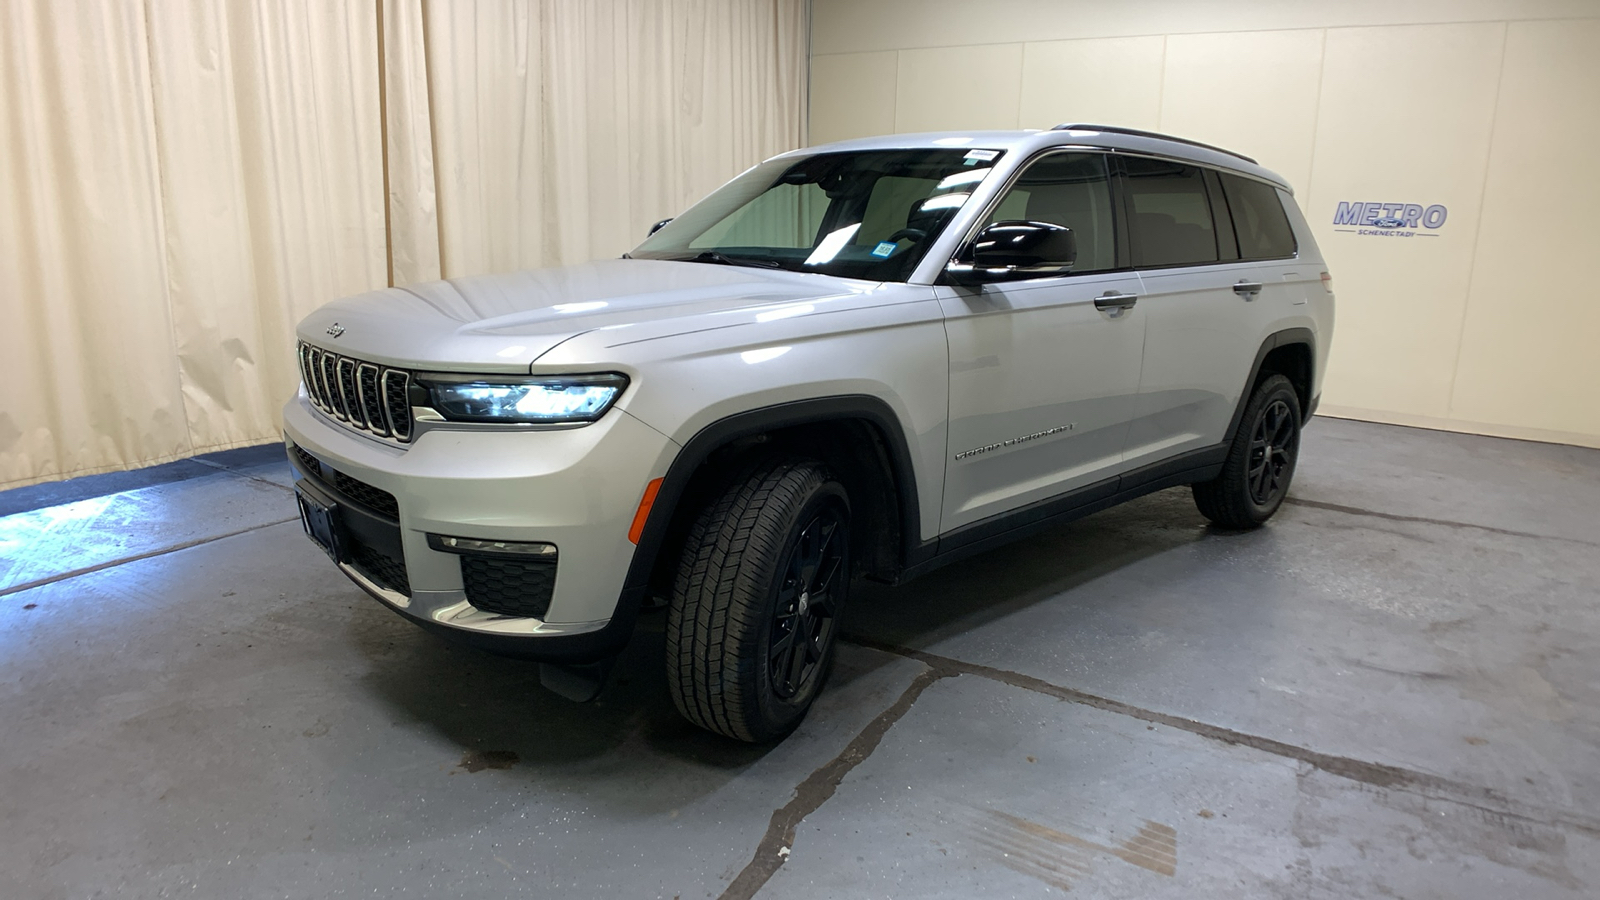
<point>853,26</point>
<point>1101,80</point>
<point>1253,92</point>
<point>852,95</point>
<point>958,88</point>
<point>1529,356</point>
<point>1412,134</point>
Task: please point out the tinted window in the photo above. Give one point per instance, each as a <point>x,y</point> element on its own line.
<point>1171,221</point>
<point>1258,219</point>
<point>1069,189</point>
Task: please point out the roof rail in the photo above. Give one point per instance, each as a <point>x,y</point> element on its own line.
<point>1134,132</point>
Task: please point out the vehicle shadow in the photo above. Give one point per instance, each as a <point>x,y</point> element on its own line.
<point>490,705</point>
<point>1048,566</point>
<point>484,702</point>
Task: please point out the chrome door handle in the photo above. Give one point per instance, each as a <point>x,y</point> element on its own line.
<point>1246,288</point>
<point>1114,300</point>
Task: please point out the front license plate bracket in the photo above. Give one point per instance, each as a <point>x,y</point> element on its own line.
<point>321,523</point>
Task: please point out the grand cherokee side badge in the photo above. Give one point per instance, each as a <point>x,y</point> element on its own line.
<point>336,329</point>
<point>1048,432</point>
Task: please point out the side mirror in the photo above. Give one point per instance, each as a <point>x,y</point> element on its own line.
<point>659,225</point>
<point>1013,251</point>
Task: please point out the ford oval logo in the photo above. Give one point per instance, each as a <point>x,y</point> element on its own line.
<point>335,329</point>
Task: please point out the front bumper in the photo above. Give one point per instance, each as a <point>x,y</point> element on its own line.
<point>576,488</point>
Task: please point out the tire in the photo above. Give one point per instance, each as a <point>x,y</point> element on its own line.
<point>753,619</point>
<point>1255,477</point>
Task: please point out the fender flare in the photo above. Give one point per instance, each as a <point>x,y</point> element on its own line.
<point>1274,341</point>
<point>752,422</point>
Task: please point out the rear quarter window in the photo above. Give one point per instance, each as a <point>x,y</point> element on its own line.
<point>1258,219</point>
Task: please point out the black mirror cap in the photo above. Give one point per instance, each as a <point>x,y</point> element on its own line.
<point>1013,250</point>
<point>659,225</point>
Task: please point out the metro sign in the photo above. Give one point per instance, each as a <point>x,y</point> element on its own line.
<point>1390,219</point>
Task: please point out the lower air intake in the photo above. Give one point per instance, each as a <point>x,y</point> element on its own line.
<point>509,587</point>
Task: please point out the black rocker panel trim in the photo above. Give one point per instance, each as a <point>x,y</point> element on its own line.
<point>758,421</point>
<point>1193,466</point>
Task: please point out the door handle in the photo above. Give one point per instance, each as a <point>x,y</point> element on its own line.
<point>1247,289</point>
<point>1114,300</point>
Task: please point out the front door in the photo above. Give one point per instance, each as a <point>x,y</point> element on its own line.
<point>1043,381</point>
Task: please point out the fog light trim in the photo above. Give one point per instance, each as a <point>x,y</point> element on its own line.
<point>510,549</point>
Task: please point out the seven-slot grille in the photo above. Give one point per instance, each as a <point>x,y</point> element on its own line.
<point>366,396</point>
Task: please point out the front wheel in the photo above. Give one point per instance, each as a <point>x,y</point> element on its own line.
<point>1255,477</point>
<point>755,607</point>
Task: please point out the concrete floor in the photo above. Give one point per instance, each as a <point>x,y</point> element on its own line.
<point>1392,690</point>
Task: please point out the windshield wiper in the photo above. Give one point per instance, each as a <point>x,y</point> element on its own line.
<point>722,259</point>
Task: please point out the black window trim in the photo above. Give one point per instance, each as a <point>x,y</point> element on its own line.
<point>1126,212</point>
<point>1119,209</point>
<point>1124,252</point>
<point>1221,216</point>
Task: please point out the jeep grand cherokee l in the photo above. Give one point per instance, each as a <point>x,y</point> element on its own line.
<point>863,359</point>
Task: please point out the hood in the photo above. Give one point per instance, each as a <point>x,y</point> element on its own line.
<point>502,323</point>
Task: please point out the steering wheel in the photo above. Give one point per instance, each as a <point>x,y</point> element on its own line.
<point>914,235</point>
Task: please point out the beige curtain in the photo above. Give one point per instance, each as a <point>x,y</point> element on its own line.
<point>182,180</point>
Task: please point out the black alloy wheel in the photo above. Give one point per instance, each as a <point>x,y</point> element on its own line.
<point>1260,463</point>
<point>1272,446</point>
<point>753,621</point>
<point>804,622</point>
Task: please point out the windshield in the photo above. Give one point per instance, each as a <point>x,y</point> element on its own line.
<point>861,214</point>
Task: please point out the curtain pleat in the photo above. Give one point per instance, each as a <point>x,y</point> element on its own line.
<point>90,368</point>
<point>267,130</point>
<point>182,180</point>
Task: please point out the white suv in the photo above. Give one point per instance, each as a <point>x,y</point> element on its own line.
<point>863,359</point>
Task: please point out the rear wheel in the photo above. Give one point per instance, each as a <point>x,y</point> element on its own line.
<point>1255,477</point>
<point>754,613</point>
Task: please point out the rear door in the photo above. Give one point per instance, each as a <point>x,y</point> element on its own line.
<point>1202,329</point>
<point>1043,381</point>
<point>1269,254</point>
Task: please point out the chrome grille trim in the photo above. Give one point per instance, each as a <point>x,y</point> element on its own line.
<point>365,396</point>
<point>345,371</point>
<point>371,404</point>
<point>396,384</point>
<point>320,374</point>
<point>313,377</point>
<point>303,356</point>
<point>327,364</point>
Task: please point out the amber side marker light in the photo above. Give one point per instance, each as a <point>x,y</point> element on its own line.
<point>637,529</point>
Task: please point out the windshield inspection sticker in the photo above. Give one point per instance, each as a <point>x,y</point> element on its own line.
<point>884,249</point>
<point>984,155</point>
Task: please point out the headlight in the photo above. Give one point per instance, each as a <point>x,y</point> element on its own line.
<point>548,399</point>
